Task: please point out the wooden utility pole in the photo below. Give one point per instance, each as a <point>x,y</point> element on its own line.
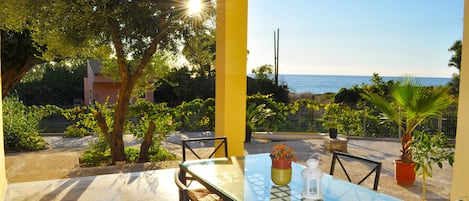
<point>276,51</point>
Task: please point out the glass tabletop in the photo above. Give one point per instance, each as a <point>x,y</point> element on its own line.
<point>248,178</point>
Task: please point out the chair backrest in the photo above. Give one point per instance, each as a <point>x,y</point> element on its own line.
<point>183,190</point>
<point>345,159</point>
<point>210,146</point>
<point>197,194</point>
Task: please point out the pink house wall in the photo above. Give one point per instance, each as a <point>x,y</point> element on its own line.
<point>98,88</point>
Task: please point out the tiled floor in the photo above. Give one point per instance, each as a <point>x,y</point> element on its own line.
<point>159,184</point>
<point>148,185</point>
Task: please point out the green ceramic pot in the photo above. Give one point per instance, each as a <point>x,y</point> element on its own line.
<point>281,177</point>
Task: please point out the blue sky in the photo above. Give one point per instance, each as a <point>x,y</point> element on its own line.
<point>355,37</point>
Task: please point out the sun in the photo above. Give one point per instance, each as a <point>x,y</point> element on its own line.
<point>194,7</point>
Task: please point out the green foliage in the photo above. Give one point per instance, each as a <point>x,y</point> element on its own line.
<point>410,105</point>
<point>280,109</point>
<point>143,112</point>
<point>200,52</point>
<point>197,114</point>
<point>97,155</point>
<point>455,60</point>
<point>84,116</point>
<point>58,86</point>
<point>21,124</point>
<point>263,84</point>
<point>349,120</point>
<point>304,115</point>
<point>158,153</point>
<point>180,86</point>
<point>139,118</point>
<point>73,131</point>
<point>132,154</point>
<point>256,115</point>
<point>428,150</point>
<point>263,72</point>
<point>102,29</point>
<point>331,115</point>
<point>348,96</point>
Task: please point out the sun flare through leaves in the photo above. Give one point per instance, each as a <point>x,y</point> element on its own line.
<point>194,7</point>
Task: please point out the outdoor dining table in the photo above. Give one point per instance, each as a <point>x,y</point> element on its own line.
<point>248,178</point>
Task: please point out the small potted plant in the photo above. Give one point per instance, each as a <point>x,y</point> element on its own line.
<point>330,118</point>
<point>429,150</point>
<point>281,170</point>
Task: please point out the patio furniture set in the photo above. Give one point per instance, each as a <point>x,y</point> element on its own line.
<point>249,177</point>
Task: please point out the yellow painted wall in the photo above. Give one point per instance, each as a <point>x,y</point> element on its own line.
<point>460,184</point>
<point>3,177</point>
<point>230,86</point>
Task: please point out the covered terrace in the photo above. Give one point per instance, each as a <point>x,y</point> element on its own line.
<point>230,122</point>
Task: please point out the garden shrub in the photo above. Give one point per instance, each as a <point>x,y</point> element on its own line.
<point>132,154</point>
<point>73,131</point>
<point>97,155</point>
<point>158,153</point>
<point>21,124</point>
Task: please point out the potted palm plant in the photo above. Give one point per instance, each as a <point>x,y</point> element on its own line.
<point>256,115</point>
<point>409,105</point>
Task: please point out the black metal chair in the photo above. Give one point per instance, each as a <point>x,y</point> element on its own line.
<point>341,157</point>
<point>186,194</point>
<point>215,142</point>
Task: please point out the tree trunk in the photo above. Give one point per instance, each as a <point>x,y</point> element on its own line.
<point>122,108</point>
<point>146,144</point>
<point>128,81</point>
<point>21,57</point>
<point>406,140</point>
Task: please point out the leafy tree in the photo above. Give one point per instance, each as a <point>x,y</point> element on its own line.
<point>153,122</point>
<point>265,85</point>
<point>263,72</point>
<point>197,114</point>
<point>455,61</point>
<point>18,56</point>
<point>200,52</point>
<point>58,86</point>
<point>132,30</point>
<point>348,96</point>
<point>349,120</point>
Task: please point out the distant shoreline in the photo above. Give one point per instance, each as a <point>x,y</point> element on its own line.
<point>322,84</point>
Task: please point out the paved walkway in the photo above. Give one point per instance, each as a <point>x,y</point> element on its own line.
<point>159,185</point>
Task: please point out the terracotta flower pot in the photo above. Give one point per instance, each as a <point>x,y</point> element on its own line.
<point>405,174</point>
<point>281,163</point>
<point>281,171</point>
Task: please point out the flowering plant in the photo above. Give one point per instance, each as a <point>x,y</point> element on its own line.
<point>282,151</point>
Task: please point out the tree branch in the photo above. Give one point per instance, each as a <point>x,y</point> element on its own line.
<point>103,125</point>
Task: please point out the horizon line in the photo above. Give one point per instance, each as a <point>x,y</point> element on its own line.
<point>397,76</point>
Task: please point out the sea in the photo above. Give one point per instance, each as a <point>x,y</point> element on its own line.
<point>320,84</point>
